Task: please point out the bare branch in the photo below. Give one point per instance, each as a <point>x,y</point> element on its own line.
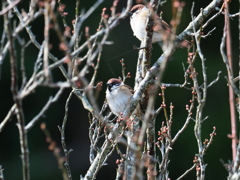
<point>55,149</point>
<point>186,172</point>
<point>44,109</point>
<point>9,7</point>
<point>8,117</point>
<point>17,101</point>
<point>62,131</point>
<point>215,81</point>
<point>197,22</point>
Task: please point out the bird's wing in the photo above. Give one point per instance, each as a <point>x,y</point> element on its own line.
<point>126,87</point>
<point>166,30</point>
<point>161,25</point>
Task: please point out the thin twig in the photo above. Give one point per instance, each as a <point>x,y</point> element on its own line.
<point>62,131</point>
<point>44,109</point>
<point>186,172</point>
<point>8,117</point>
<point>19,108</point>
<point>56,150</point>
<point>215,80</point>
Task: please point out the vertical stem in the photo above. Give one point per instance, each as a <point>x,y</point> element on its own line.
<point>139,73</point>
<point>62,131</point>
<point>231,93</point>
<point>149,99</point>
<point>17,101</point>
<point>151,151</point>
<point>46,40</point>
<point>144,61</point>
<point>201,99</point>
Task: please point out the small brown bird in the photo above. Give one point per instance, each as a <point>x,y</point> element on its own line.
<point>118,96</point>
<point>161,30</point>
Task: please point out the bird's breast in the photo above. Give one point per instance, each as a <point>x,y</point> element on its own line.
<point>117,101</point>
<point>138,25</point>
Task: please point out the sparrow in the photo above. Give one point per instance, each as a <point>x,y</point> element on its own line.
<point>118,96</point>
<point>161,30</point>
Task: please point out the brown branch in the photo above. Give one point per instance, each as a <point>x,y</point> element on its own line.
<point>233,117</point>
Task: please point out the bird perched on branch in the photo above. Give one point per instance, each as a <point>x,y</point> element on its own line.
<point>118,96</point>
<point>161,30</point>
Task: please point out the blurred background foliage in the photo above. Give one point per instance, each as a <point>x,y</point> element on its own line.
<point>42,162</point>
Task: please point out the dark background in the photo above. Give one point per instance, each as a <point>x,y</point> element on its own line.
<point>43,164</point>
